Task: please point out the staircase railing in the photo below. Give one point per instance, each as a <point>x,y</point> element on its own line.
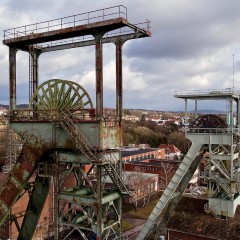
<point>70,124</point>
<point>223,184</point>
<point>221,168</point>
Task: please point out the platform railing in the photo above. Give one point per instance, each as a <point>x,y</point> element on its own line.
<point>144,26</point>
<point>109,115</point>
<point>66,22</point>
<point>209,91</point>
<point>208,130</point>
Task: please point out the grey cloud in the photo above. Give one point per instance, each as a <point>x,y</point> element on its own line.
<point>188,29</point>
<point>191,40</point>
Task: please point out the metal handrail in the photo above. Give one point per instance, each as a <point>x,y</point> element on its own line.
<point>145,26</point>
<point>209,91</point>
<point>88,146</point>
<point>69,21</point>
<point>208,130</point>
<point>109,115</point>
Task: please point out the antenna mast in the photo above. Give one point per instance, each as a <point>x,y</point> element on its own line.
<point>233,72</point>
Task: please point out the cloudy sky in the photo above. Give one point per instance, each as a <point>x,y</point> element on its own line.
<point>191,48</point>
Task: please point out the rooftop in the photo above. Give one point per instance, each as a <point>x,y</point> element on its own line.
<point>134,151</point>
<point>155,162</point>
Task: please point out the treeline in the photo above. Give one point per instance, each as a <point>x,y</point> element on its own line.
<point>149,132</point>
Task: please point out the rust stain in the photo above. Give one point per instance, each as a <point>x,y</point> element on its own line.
<point>10,190</point>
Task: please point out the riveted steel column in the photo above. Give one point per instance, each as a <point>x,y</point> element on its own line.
<point>12,78</point>
<point>33,72</point>
<point>99,207</point>
<point>230,121</point>
<point>238,113</point>
<point>99,75</point>
<point>119,91</point>
<point>119,200</point>
<point>196,109</point>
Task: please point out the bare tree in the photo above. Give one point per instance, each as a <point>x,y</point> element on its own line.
<point>166,174</point>
<point>141,186</point>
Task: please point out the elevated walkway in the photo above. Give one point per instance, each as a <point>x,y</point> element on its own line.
<point>77,30</point>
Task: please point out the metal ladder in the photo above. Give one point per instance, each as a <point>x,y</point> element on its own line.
<point>69,123</point>
<point>168,193</point>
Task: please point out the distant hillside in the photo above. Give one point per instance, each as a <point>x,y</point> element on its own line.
<point>19,106</point>
<point>141,111</point>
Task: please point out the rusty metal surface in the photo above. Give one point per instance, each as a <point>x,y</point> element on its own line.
<point>69,21</point>
<point>119,45</point>
<point>71,32</point>
<point>44,129</point>
<point>80,115</point>
<point>12,77</point>
<point>76,42</point>
<point>35,205</point>
<point>16,180</point>
<point>99,76</point>
<point>110,135</point>
<point>33,70</point>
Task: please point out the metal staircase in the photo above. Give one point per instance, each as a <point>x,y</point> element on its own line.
<point>223,184</point>
<point>168,194</point>
<point>221,167</point>
<point>88,148</point>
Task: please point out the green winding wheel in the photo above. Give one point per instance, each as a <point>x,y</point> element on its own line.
<point>57,94</point>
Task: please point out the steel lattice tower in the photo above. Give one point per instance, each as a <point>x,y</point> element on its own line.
<point>63,132</point>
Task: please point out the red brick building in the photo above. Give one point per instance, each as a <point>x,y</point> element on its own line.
<point>170,151</point>
<point>136,153</point>
<point>164,168</point>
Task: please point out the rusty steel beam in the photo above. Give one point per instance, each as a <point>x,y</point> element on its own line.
<point>35,205</point>
<point>86,29</point>
<point>85,43</point>
<point>17,179</point>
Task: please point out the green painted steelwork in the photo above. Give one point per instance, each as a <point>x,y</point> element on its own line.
<point>60,94</point>
<point>79,198</point>
<point>35,205</point>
